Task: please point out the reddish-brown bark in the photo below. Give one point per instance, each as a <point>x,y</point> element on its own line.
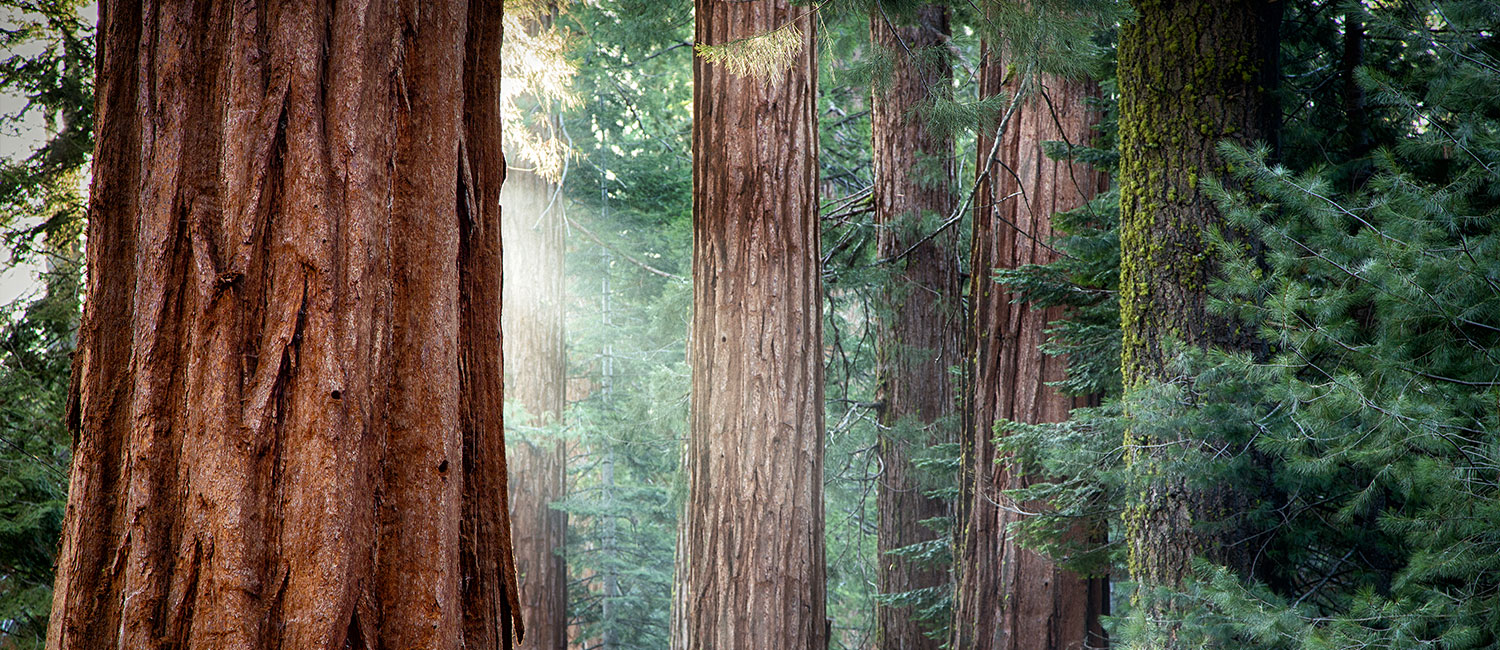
<point>751,572</point>
<point>920,333</point>
<point>1008,597</point>
<point>537,365</point>
<point>288,395</point>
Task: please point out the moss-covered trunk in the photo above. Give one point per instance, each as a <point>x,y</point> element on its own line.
<point>1191,74</point>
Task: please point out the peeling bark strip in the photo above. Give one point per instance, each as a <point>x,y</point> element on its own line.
<point>750,552</point>
<point>534,352</point>
<point>288,374</point>
<point>1010,598</point>
<point>919,337</point>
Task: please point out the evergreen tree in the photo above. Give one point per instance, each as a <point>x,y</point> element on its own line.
<point>532,223</point>
<point>919,331</point>
<point>751,550</point>
<point>1367,422</point>
<point>41,214</point>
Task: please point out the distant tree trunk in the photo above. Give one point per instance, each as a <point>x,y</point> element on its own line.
<point>1008,597</point>
<point>752,540</point>
<point>1191,75</point>
<point>919,337</point>
<point>537,376</point>
<point>288,380</point>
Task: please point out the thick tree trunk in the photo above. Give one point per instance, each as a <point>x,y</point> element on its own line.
<point>537,369</point>
<point>1010,598</point>
<point>752,531</point>
<point>1191,75</point>
<point>288,387</point>
<point>919,336</point>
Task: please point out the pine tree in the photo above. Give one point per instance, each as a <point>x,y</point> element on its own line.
<point>628,205</point>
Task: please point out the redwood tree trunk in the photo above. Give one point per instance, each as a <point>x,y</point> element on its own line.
<point>1008,597</point>
<point>919,336</point>
<point>751,545</point>
<point>1191,75</point>
<point>537,369</point>
<point>288,395</point>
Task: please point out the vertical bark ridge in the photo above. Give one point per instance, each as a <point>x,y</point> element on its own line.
<point>420,505</point>
<point>492,602</point>
<point>100,379</point>
<point>752,538</point>
<point>274,244</point>
<point>919,340</point>
<point>1009,597</point>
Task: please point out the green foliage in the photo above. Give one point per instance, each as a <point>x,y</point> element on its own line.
<point>762,56</point>
<point>1364,434</point>
<point>34,450</point>
<point>50,65</point>
<point>630,186</point>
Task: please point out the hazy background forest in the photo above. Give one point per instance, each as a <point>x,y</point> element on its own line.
<point>1359,249</point>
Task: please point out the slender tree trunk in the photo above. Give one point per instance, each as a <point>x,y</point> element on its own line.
<point>919,337</point>
<point>1010,598</point>
<point>537,369</point>
<point>288,390</point>
<point>752,542</point>
<point>1191,76</point>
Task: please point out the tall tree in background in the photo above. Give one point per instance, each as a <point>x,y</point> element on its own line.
<point>535,349</point>
<point>751,555</point>
<point>1009,597</point>
<point>919,335</point>
<point>288,380</point>
<point>536,366</point>
<point>1191,75</point>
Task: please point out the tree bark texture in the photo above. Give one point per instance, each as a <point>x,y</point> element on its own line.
<point>1192,74</point>
<point>920,333</point>
<point>1008,597</point>
<point>288,397</point>
<point>751,545</point>
<point>536,363</point>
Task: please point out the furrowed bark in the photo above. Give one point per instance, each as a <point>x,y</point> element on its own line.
<point>1191,75</point>
<point>919,337</point>
<point>751,550</point>
<point>1009,597</point>
<point>283,434</point>
<point>534,352</point>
